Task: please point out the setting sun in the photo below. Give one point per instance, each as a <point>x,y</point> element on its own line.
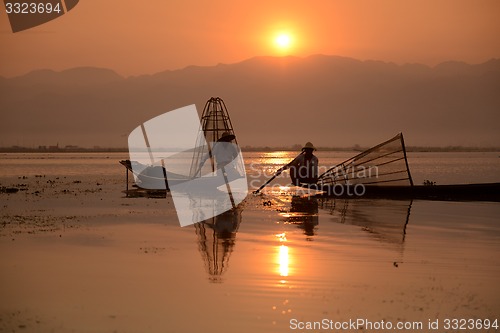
<point>283,41</point>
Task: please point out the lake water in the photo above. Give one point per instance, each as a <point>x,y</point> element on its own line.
<point>79,256</point>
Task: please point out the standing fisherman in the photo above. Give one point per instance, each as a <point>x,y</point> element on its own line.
<point>224,152</point>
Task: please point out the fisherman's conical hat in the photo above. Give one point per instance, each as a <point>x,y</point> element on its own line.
<point>308,145</point>
<point>226,136</point>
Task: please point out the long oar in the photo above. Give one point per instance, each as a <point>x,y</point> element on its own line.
<point>271,179</point>
<point>268,181</point>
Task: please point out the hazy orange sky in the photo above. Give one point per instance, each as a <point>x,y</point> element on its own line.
<point>142,37</point>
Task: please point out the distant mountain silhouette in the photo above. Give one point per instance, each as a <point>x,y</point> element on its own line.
<point>329,100</point>
<point>74,76</point>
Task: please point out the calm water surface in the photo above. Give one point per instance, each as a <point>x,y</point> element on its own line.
<point>277,261</point>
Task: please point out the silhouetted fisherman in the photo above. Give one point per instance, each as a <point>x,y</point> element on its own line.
<point>304,168</point>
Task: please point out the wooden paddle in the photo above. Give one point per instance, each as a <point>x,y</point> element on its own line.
<point>268,181</point>
<point>272,178</point>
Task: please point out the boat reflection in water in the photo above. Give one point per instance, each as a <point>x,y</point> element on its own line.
<point>386,220</point>
<point>303,213</point>
<point>216,239</point>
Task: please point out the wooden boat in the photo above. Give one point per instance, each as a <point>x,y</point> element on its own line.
<point>157,178</point>
<point>455,192</point>
<point>383,172</point>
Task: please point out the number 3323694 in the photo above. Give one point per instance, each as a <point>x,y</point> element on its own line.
<point>32,8</point>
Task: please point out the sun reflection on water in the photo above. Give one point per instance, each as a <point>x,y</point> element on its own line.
<point>277,158</point>
<point>283,260</point>
<point>281,237</point>
<point>283,257</point>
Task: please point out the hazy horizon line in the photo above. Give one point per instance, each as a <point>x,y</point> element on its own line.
<point>247,148</point>
<point>431,66</point>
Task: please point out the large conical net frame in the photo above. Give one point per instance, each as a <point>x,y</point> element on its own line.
<point>214,122</point>
<point>382,165</point>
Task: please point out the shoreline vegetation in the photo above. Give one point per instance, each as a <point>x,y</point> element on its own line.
<point>77,149</point>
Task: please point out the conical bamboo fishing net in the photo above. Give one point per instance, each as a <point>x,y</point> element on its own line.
<point>214,122</point>
<point>384,164</point>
